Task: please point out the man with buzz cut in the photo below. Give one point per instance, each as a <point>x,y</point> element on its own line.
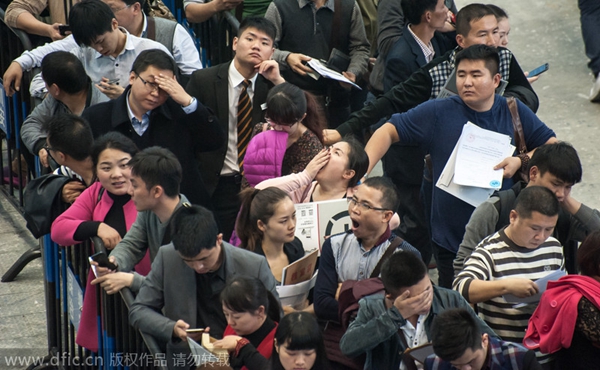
<point>556,167</point>
<point>458,343</point>
<point>510,261</point>
<point>436,126</point>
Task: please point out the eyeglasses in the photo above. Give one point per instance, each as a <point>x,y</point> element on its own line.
<point>118,10</point>
<point>48,148</point>
<point>353,202</point>
<point>150,86</point>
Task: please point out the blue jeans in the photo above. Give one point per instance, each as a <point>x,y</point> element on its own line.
<point>590,29</point>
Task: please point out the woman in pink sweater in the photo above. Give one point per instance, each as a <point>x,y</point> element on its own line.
<point>106,210</point>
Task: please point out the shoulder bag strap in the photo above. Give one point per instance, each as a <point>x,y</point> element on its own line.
<point>151,30</point>
<point>408,361</point>
<point>388,252</point>
<point>517,126</point>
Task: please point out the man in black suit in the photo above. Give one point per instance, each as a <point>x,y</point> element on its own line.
<point>155,110</point>
<point>222,89</point>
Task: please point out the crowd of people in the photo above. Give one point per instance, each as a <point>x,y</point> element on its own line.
<point>190,177</point>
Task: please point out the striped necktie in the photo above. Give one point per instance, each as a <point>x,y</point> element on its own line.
<point>244,122</point>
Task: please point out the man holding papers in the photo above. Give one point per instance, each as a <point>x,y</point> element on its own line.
<point>436,125</point>
<point>510,262</point>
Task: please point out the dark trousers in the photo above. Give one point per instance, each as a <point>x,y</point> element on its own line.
<point>590,29</point>
<point>445,260</point>
<point>226,203</point>
<point>413,225</point>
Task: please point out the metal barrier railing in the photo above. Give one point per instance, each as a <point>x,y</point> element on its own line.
<point>120,346</point>
<point>66,269</point>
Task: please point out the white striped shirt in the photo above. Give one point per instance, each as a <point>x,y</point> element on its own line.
<point>497,257</point>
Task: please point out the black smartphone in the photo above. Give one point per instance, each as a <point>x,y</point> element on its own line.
<point>539,70</point>
<point>63,29</point>
<point>103,261</point>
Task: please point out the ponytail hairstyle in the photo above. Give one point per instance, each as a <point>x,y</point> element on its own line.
<point>287,104</point>
<point>256,205</point>
<point>247,294</point>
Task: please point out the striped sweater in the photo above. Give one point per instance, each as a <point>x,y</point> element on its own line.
<point>497,257</point>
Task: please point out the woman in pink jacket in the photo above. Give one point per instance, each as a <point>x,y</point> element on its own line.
<point>106,210</point>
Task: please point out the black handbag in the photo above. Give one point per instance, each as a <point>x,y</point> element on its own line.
<point>42,202</point>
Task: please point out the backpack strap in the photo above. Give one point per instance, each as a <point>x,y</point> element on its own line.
<point>334,41</point>
<point>388,252</point>
<point>505,204</point>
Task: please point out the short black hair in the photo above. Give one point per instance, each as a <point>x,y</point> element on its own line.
<point>89,19</point>
<point>247,294</point>
<point>536,199</point>
<point>358,160</point>
<point>260,23</point>
<point>453,332</point>
<point>112,140</point>
<point>193,229</point>
<point>498,11</point>
<point>300,331</point>
<point>414,9</point>
<point>70,134</point>
<point>468,14</point>
<point>560,159</point>
<point>154,58</point>
<point>389,192</point>
<point>66,71</point>
<point>402,270</point>
<point>488,54</point>
<point>158,166</point>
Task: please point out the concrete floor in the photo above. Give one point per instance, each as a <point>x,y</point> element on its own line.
<point>542,31</point>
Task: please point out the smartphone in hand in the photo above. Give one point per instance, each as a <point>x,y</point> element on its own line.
<point>539,70</point>
<point>102,259</point>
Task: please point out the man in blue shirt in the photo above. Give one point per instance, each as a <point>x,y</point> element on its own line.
<point>436,126</point>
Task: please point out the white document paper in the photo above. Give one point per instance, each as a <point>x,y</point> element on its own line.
<point>479,150</point>
<point>542,283</point>
<point>327,72</point>
<point>469,194</point>
<point>200,354</point>
<point>316,220</point>
<point>295,295</point>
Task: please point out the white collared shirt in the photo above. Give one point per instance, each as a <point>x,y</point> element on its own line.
<point>97,65</point>
<point>234,87</point>
<point>427,49</point>
<point>415,336</point>
<point>184,50</point>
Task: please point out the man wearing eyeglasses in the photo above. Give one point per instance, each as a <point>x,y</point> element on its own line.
<point>155,110</point>
<point>353,255</point>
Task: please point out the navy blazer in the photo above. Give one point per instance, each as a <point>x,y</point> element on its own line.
<point>170,127</point>
<point>406,56</point>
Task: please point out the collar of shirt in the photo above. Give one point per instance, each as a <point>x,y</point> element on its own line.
<point>236,78</point>
<point>426,48</point>
<point>328,4</point>
<point>144,27</point>
<point>139,127</point>
<point>128,44</point>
